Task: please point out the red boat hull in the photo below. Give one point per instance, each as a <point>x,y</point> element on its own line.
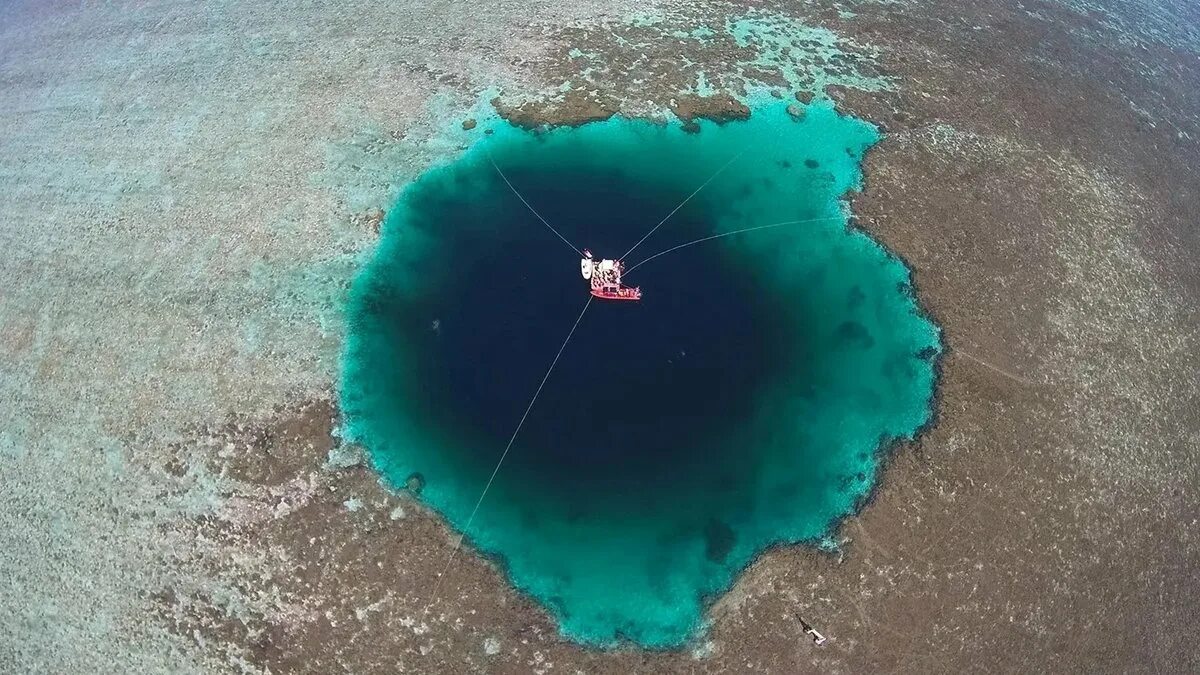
<point>617,293</point>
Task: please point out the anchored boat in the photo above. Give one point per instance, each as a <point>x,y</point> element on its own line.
<point>605,278</point>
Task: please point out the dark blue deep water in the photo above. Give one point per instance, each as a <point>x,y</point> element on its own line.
<point>741,404</point>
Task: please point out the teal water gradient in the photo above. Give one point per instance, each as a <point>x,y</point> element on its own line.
<point>743,404</point>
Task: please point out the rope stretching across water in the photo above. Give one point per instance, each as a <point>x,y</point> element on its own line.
<point>689,197</point>
<point>530,207</point>
<point>729,234</point>
<point>453,553</point>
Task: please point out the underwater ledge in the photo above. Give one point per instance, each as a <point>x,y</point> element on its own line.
<point>749,402</point>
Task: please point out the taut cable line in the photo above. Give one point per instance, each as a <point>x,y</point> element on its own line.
<point>463,535</point>
<point>730,234</point>
<point>530,207</point>
<point>686,200</point>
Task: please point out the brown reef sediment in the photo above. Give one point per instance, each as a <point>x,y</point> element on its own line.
<point>719,108</point>
<point>574,109</point>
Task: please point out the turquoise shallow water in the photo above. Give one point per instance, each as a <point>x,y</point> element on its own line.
<point>742,404</point>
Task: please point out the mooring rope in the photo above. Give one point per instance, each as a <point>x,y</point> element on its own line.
<point>530,207</point>
<point>449,561</point>
<point>729,234</point>
<point>689,197</point>
<point>1012,376</point>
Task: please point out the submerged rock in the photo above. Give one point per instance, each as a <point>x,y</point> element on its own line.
<point>574,109</point>
<point>346,456</point>
<point>719,108</point>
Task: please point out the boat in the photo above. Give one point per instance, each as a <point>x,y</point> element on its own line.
<point>605,278</point>
<point>617,293</point>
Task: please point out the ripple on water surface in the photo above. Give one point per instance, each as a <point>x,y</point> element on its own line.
<point>740,405</point>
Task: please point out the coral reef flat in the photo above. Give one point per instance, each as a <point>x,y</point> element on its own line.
<point>187,193</point>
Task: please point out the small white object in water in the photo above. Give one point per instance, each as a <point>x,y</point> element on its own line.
<point>491,646</point>
<point>353,504</point>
